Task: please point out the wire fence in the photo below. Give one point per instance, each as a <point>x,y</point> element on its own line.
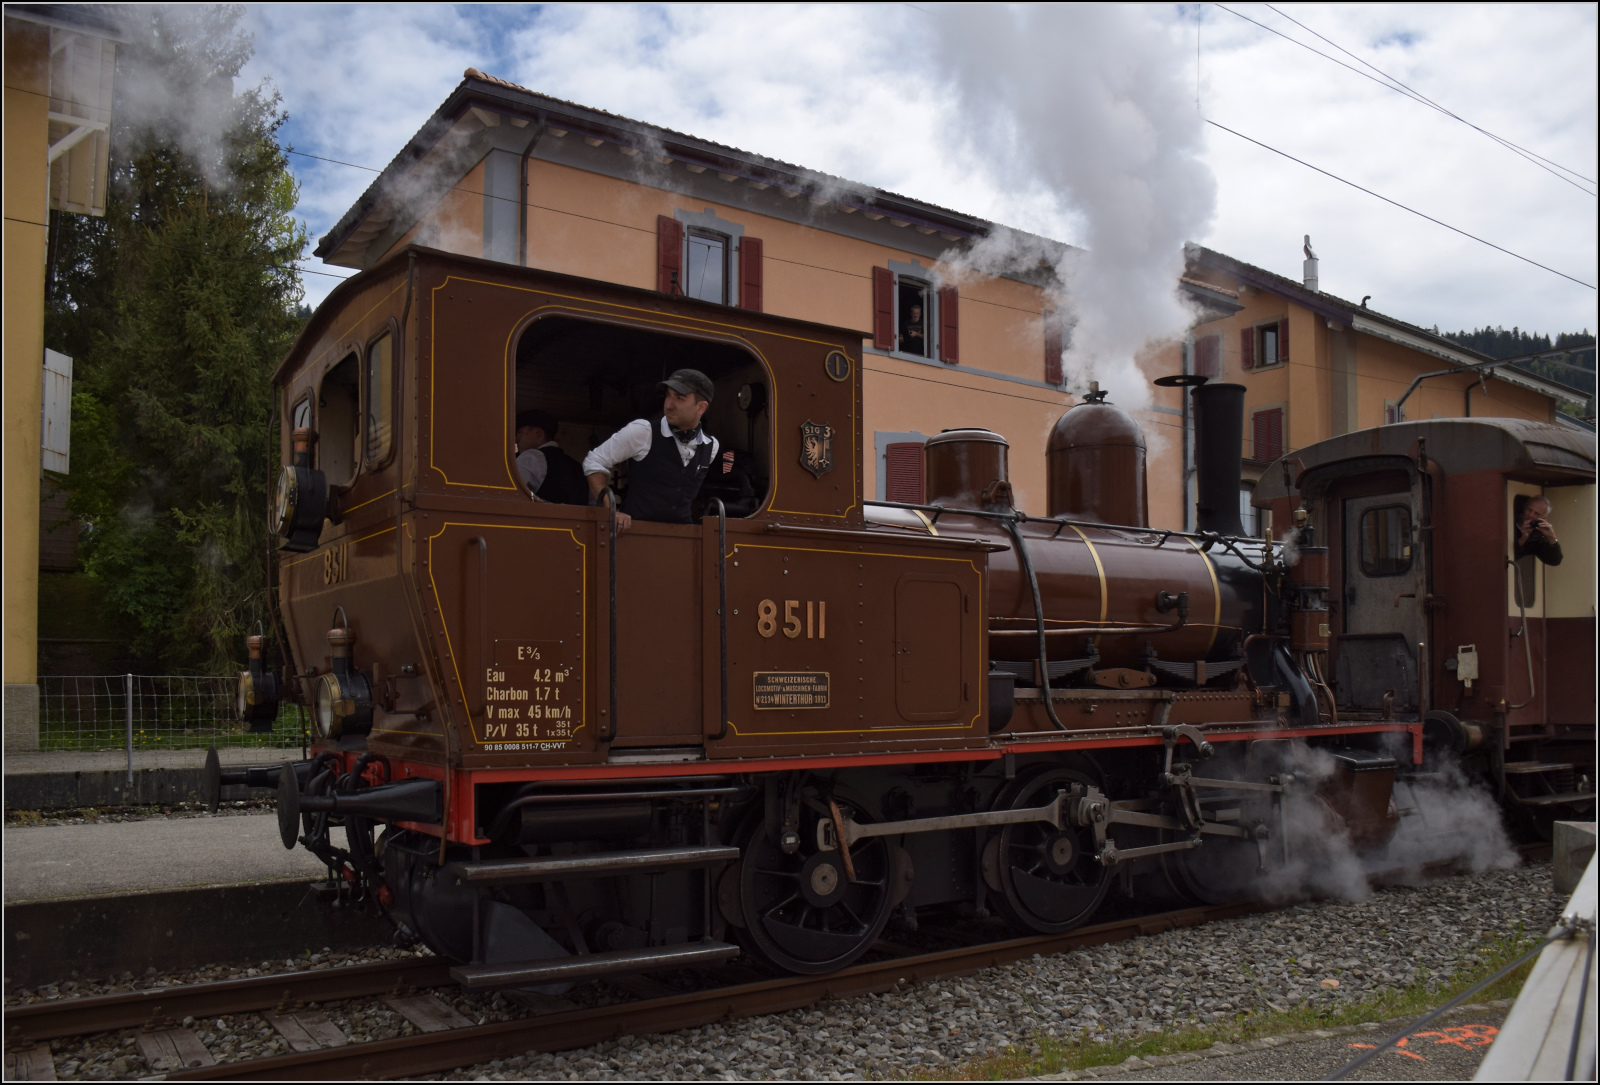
<point>153,712</point>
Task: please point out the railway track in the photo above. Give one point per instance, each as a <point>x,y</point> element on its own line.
<point>451,1048</point>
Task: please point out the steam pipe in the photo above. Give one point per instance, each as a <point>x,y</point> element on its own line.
<point>1038,614</point>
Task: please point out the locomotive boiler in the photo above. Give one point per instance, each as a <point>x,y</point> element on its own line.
<point>556,751</point>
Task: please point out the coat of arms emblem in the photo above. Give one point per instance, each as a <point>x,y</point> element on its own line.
<point>816,447</point>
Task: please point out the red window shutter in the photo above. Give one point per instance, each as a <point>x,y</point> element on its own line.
<point>903,472</point>
<point>1267,427</point>
<point>669,255</point>
<point>1208,356</point>
<point>1053,345</point>
<point>882,308</point>
<point>949,326</point>
<point>1247,348</point>
<point>1283,340</point>
<point>750,274</point>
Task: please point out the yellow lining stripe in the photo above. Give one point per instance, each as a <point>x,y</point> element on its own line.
<point>1099,568</point>
<point>1216,592</point>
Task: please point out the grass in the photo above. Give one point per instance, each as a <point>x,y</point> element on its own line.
<point>1054,1054</point>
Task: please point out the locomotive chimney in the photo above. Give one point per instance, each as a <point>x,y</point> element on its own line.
<point>1218,446</point>
<point>966,469</point>
<point>1095,465</point>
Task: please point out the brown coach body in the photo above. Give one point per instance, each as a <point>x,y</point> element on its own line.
<point>558,750</point>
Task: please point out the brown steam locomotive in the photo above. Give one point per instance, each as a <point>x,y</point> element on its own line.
<point>556,751</point>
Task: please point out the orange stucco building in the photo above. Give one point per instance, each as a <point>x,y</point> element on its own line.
<point>504,173</point>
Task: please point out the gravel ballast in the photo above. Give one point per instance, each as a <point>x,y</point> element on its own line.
<point>1262,962</point>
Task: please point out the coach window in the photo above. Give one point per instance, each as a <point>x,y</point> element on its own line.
<point>380,399</point>
<point>1386,540</point>
<point>338,406</point>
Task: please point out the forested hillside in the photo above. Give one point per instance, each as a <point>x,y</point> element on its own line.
<point>1574,368</point>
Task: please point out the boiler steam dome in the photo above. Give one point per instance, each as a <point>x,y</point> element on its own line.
<point>1095,465</point>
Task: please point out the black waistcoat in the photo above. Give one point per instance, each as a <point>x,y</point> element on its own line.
<point>564,483</point>
<point>661,486</point>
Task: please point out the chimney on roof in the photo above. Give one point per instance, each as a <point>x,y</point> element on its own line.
<point>1310,267</point>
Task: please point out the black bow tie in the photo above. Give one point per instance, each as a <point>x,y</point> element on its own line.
<point>687,436</point>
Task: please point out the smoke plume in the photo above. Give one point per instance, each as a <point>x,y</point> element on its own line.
<point>1088,107</point>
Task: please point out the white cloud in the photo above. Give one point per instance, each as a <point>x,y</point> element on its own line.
<point>857,92</point>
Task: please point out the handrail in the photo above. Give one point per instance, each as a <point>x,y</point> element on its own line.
<point>867,535</point>
<point>610,497</point>
<point>722,612</point>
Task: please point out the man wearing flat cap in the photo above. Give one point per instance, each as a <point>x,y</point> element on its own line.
<point>671,456</point>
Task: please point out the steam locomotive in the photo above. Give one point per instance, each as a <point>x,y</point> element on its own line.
<point>557,752</point>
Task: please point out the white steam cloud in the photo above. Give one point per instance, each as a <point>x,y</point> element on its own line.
<point>1090,107</point>
<point>1445,819</point>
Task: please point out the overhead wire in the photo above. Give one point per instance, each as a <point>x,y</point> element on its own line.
<point>1401,206</point>
<point>1423,98</point>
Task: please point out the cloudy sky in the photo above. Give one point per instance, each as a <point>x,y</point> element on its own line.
<point>1083,124</point>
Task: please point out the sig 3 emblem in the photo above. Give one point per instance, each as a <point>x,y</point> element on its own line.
<point>816,447</point>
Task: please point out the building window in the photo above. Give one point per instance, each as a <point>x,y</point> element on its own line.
<point>1264,344</point>
<point>1393,412</point>
<point>1266,431</point>
<point>912,317</point>
<point>706,260</point>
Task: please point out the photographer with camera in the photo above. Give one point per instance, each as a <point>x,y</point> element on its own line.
<point>1535,535</point>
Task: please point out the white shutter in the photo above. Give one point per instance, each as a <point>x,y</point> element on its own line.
<point>55,421</point>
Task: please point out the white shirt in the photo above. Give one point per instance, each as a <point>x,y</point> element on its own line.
<point>533,467</point>
<point>632,442</point>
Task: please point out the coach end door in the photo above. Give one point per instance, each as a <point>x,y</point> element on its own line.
<point>1384,588</point>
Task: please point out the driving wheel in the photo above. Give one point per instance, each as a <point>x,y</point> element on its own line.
<point>804,912</point>
<point>1045,879</point>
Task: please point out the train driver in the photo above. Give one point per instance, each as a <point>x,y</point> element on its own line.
<point>671,456</point>
<point>546,470</point>
<point>1534,534</point>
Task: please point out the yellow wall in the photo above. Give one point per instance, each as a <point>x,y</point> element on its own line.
<point>1305,384</point>
<point>27,54</point>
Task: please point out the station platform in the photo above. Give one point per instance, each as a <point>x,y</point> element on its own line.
<point>166,892</point>
<point>49,862</point>
<point>69,779</point>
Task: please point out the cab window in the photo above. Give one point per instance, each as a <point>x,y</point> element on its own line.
<point>1386,540</point>
<point>380,399</point>
<point>338,407</point>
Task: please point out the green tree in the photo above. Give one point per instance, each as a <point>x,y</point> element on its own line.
<point>178,305</point>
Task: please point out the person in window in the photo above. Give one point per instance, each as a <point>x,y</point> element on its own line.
<point>912,339</point>
<point>1535,535</point>
<point>546,470</point>
<point>671,456</point>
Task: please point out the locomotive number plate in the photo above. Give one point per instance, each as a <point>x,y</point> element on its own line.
<point>791,689</point>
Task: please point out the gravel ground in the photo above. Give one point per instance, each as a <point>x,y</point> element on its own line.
<point>1259,962</point>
